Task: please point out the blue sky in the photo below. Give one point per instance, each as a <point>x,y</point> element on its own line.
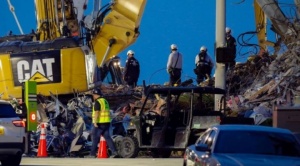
<point>188,24</point>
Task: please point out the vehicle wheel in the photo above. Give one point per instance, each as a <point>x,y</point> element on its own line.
<point>118,140</point>
<point>12,160</point>
<point>178,153</point>
<point>161,153</point>
<point>129,147</point>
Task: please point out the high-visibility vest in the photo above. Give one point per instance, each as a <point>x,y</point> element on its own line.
<point>104,115</point>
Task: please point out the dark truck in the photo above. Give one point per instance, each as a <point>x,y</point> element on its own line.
<point>184,113</point>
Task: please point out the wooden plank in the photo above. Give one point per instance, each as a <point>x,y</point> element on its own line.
<point>262,90</point>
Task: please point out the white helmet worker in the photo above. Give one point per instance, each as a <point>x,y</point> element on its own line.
<point>130,52</point>
<point>203,48</point>
<point>227,30</point>
<point>174,47</point>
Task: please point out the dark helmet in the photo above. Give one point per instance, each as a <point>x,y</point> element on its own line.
<point>97,91</point>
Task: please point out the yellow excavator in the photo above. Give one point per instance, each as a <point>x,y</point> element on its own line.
<point>65,54</point>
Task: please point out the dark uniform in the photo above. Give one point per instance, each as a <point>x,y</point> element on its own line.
<point>132,71</point>
<point>230,43</point>
<point>204,65</point>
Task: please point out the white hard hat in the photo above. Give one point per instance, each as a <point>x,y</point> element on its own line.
<point>130,52</point>
<point>203,48</point>
<point>227,30</point>
<point>173,46</point>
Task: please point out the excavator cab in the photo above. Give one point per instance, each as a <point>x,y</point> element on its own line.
<point>112,73</point>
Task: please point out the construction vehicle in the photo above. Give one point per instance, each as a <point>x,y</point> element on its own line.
<point>176,120</point>
<point>66,54</point>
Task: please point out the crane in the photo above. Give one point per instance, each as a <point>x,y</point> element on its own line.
<point>12,9</point>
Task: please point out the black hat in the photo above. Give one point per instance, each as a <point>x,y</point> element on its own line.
<point>97,91</point>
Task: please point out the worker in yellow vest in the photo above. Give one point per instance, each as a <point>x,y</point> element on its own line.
<point>101,123</point>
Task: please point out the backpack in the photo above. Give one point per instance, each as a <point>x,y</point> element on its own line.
<point>201,59</point>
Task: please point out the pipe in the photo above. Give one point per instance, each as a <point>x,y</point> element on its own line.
<point>56,16</point>
<point>63,13</point>
<point>111,42</point>
<point>220,42</point>
<point>97,6</point>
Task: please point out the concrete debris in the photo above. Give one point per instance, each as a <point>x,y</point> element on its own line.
<point>264,79</point>
<point>119,96</point>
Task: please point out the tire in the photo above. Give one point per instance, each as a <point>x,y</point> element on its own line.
<point>118,141</point>
<point>161,153</point>
<point>12,160</point>
<point>178,153</point>
<point>129,147</point>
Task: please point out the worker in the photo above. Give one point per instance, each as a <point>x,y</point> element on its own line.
<point>230,43</point>
<point>204,65</point>
<point>174,66</point>
<point>132,70</point>
<point>101,122</point>
<point>74,29</point>
<point>80,6</point>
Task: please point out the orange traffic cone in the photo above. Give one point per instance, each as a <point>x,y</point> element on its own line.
<point>42,150</point>
<point>102,149</point>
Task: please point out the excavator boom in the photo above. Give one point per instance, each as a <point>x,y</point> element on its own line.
<point>120,28</point>
<point>261,26</point>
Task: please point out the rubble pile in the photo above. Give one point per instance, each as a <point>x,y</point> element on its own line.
<point>119,96</point>
<point>264,81</point>
<point>253,87</point>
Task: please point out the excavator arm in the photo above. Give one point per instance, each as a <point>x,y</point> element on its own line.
<point>47,12</point>
<point>119,29</point>
<point>269,9</point>
<point>261,27</point>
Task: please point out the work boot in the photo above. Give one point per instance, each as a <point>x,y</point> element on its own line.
<point>114,155</point>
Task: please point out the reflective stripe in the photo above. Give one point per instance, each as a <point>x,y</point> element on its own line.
<point>104,115</point>
<point>42,137</point>
<point>43,131</point>
<point>32,97</point>
<point>104,104</point>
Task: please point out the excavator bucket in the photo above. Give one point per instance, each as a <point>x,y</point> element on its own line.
<point>120,28</point>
